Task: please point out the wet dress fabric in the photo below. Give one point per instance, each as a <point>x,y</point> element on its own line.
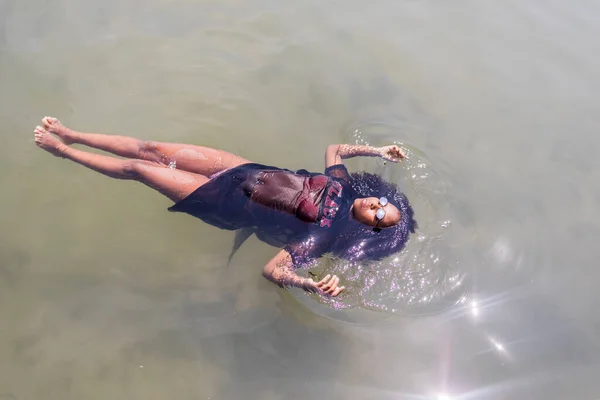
<point>295,209</point>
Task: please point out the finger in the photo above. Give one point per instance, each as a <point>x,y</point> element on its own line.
<point>337,284</point>
<point>332,292</point>
<point>333,285</point>
<point>329,284</point>
<point>337,291</point>
<point>323,281</point>
<point>399,156</point>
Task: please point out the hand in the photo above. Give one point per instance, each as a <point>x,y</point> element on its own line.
<point>392,153</point>
<point>326,286</point>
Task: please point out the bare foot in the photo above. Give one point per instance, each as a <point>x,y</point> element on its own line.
<point>46,141</point>
<point>53,125</point>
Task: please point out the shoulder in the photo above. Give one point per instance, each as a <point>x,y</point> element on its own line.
<point>335,169</point>
<point>339,172</point>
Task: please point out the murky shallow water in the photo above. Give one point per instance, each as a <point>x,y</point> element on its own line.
<point>104,294</point>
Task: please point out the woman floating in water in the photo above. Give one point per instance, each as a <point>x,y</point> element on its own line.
<point>355,217</point>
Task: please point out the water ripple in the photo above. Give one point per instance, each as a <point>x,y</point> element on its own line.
<point>431,273</point>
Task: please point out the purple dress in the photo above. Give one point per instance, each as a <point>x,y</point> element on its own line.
<point>298,209</point>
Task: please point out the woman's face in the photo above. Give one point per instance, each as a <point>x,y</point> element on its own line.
<point>365,210</point>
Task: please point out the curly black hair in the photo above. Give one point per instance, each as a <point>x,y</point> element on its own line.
<point>356,241</point>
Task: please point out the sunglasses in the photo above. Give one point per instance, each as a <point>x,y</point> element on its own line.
<point>380,214</point>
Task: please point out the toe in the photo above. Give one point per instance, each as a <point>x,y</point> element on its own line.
<point>49,122</point>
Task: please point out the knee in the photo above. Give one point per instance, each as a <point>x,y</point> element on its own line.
<point>133,169</point>
<point>148,146</point>
<point>148,150</point>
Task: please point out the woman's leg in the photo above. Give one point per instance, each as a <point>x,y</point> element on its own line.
<point>176,185</point>
<point>196,159</point>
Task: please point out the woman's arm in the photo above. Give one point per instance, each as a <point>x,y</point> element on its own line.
<point>337,152</point>
<point>279,271</point>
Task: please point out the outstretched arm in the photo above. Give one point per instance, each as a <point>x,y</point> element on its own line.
<point>337,152</point>
<point>280,271</point>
